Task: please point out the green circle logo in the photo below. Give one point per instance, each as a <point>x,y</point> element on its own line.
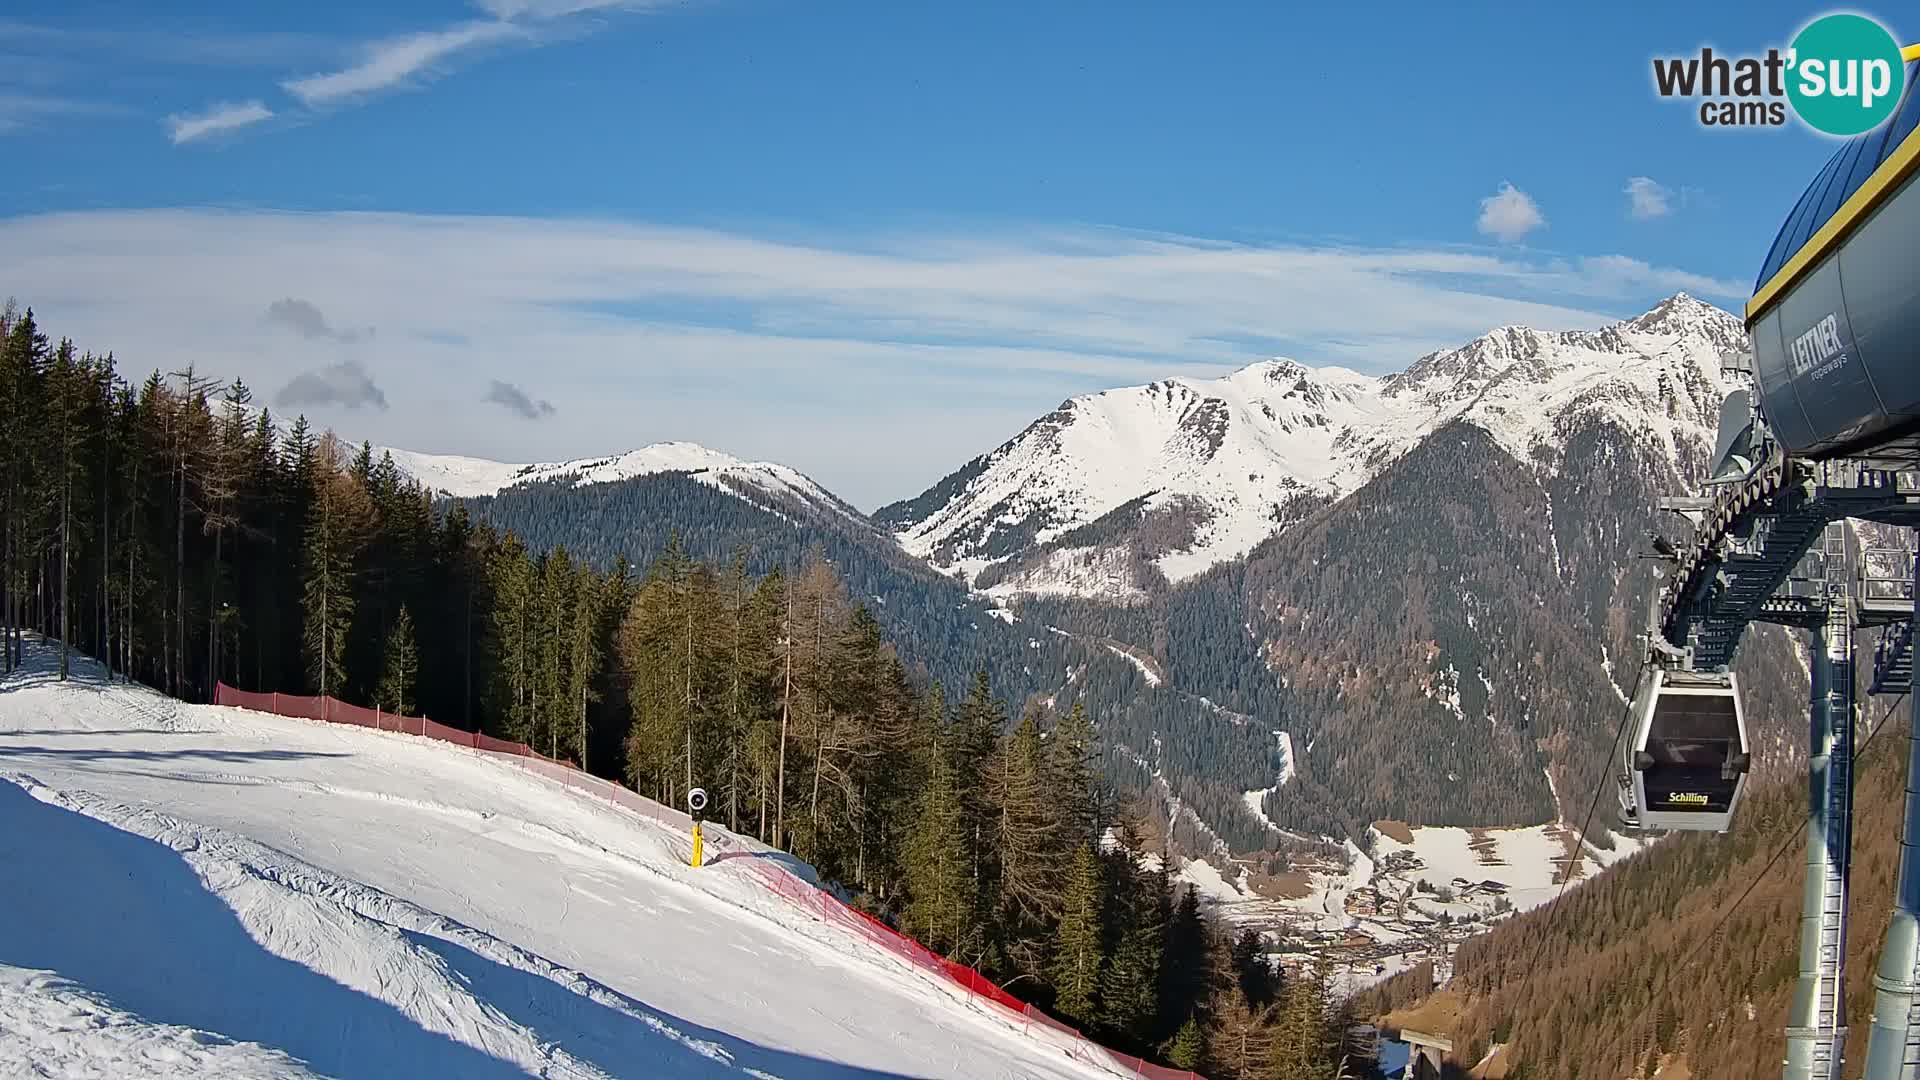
<point>1845,74</point>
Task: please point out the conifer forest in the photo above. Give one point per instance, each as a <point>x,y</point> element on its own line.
<point>183,536</point>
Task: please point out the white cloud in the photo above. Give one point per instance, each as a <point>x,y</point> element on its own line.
<point>1624,276</point>
<point>962,337</point>
<point>389,63</point>
<point>1648,199</point>
<point>1509,214</point>
<point>397,61</point>
<point>553,9</point>
<point>215,120</point>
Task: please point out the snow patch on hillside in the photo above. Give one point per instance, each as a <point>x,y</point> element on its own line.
<point>1523,860</point>
<point>1085,572</point>
<point>467,477</point>
<point>1255,800</point>
<point>1146,672</point>
<point>1606,665</point>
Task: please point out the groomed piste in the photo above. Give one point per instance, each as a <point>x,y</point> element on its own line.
<point>199,890</point>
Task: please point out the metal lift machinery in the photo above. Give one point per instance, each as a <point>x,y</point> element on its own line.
<point>1830,431</point>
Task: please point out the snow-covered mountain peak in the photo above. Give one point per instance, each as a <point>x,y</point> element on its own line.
<point>1682,313</point>
<point>1209,468</point>
<point>467,477</point>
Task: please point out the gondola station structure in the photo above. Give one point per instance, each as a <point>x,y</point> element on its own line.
<point>1824,428</point>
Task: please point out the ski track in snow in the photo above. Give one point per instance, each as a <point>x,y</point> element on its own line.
<point>208,890</point>
<point>1145,671</point>
<point>1606,665</point>
<point>1256,800</point>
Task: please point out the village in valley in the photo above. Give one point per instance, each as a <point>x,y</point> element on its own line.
<point>1411,896</point>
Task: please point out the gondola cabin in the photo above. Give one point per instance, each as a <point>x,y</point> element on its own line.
<point>1687,757</point>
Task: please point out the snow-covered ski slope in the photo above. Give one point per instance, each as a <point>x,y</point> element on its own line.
<point>191,890</point>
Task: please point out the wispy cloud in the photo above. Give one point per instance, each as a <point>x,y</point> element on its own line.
<point>518,401</point>
<point>394,61</point>
<point>21,112</point>
<point>766,347</point>
<point>554,9</point>
<point>1509,214</point>
<point>217,119</point>
<point>1648,199</point>
<point>206,45</point>
<point>410,58</point>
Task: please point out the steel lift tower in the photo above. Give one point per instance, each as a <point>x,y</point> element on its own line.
<point>1834,434</point>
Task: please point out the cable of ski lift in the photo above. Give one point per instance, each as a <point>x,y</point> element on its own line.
<point>1786,845</point>
<point>1533,964</point>
<point>1566,876</point>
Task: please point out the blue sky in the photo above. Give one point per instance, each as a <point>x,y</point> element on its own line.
<point>807,231</point>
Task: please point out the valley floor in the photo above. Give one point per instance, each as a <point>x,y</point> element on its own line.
<point>1420,892</point>
<point>194,890</point>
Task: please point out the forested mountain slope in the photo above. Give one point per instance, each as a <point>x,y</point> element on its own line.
<point>1690,948</point>
<point>1208,751</point>
<point>1442,617</point>
<point>1468,622</point>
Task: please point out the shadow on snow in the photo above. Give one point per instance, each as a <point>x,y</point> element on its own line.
<point>131,920</point>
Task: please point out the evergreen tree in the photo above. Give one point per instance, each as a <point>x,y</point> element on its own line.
<point>511,640</point>
<point>396,694</point>
<point>1129,985</point>
<point>68,380</point>
<point>1026,844</point>
<point>938,863</point>
<point>1304,1042</point>
<point>1251,970</point>
<point>1073,777</point>
<point>1189,1047</point>
<point>1183,966</point>
<point>1077,955</point>
<point>333,537</point>
<point>976,736</point>
<point>609,702</point>
<point>582,660</point>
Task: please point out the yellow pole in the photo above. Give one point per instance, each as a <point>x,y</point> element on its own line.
<point>698,844</point>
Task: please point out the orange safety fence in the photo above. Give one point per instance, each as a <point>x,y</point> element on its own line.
<point>778,879</point>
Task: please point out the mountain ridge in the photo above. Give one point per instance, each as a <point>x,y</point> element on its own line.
<point>1564,438</point>
<point>460,476</point>
<point>1229,461</point>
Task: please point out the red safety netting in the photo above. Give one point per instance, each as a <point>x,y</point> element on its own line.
<point>446,734</point>
<point>778,879</point>
<point>830,909</point>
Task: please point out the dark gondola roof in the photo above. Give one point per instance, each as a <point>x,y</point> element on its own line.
<point>1857,161</point>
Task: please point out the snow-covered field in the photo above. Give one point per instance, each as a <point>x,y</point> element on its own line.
<point>1525,861</point>
<point>192,890</point>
